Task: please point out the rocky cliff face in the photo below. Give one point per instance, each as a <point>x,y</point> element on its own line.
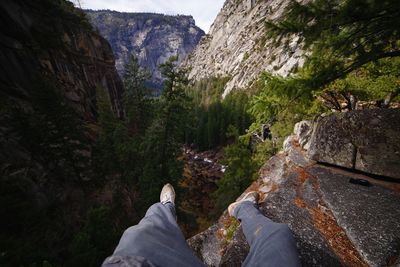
<point>36,45</point>
<point>153,38</point>
<point>51,65</point>
<point>368,141</point>
<point>236,45</point>
<point>339,217</point>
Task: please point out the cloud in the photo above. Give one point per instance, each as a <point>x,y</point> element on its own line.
<point>203,11</point>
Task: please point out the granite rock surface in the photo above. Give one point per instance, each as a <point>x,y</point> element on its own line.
<point>335,221</point>
<point>365,140</point>
<point>34,44</point>
<point>236,45</point>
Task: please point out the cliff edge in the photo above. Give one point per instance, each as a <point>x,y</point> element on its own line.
<point>339,214</point>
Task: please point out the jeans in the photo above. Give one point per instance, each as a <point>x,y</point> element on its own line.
<point>159,239</point>
<point>271,244</point>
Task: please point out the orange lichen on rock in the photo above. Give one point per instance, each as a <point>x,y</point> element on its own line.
<point>303,175</point>
<point>300,203</point>
<point>326,224</point>
<point>226,220</point>
<point>337,239</point>
<point>274,187</point>
<point>253,187</point>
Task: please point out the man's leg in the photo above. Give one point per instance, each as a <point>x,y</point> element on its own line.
<point>158,238</point>
<point>271,244</point>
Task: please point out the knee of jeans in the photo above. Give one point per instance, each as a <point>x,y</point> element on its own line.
<point>284,229</point>
<point>130,230</point>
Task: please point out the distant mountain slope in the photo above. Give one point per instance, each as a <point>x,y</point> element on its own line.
<point>237,46</point>
<point>153,38</point>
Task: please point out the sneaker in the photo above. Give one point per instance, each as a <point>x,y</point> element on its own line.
<point>167,194</point>
<point>251,196</point>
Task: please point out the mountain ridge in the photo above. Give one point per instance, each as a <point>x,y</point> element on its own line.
<point>151,37</point>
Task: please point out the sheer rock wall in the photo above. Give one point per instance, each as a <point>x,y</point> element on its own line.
<point>236,45</point>
<point>36,45</point>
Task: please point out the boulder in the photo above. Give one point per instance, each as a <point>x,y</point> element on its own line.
<point>364,140</point>
<point>303,130</point>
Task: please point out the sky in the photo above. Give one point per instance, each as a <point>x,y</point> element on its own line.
<point>203,11</point>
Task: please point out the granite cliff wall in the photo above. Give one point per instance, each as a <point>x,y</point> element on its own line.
<point>152,38</point>
<point>41,40</point>
<point>236,45</point>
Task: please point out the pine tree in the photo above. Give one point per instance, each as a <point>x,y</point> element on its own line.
<point>239,174</point>
<point>104,152</point>
<point>136,97</point>
<point>343,35</point>
<point>165,136</point>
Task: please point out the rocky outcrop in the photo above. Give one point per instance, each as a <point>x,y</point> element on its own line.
<point>338,217</point>
<point>236,45</point>
<point>153,38</point>
<point>366,140</point>
<point>62,48</point>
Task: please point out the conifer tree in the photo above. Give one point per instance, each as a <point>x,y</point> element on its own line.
<point>136,97</point>
<point>164,138</point>
<point>343,34</point>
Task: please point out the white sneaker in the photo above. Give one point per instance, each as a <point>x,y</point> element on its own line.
<point>167,194</point>
<point>251,196</point>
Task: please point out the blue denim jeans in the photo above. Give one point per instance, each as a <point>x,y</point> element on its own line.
<point>271,244</point>
<point>159,239</point>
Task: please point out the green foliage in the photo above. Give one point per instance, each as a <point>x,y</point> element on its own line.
<point>95,241</point>
<point>212,115</point>
<point>217,122</point>
<point>164,137</point>
<point>47,140</point>
<point>57,17</point>
<point>136,98</point>
<point>343,34</point>
<point>207,91</point>
<point>240,173</point>
<point>374,81</point>
<point>280,104</point>
<point>278,94</point>
<point>105,150</point>
<point>354,49</point>
<point>263,151</point>
<point>231,230</point>
<point>119,145</point>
